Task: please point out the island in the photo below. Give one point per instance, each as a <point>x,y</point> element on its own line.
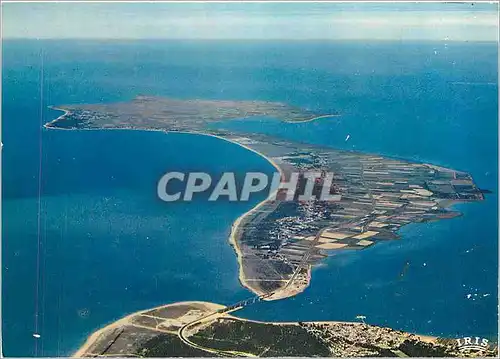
<point>278,241</point>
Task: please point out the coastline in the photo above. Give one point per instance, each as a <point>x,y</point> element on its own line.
<point>314,118</point>
<point>282,293</point>
<point>236,224</point>
<point>425,338</point>
<point>66,113</point>
<point>91,339</point>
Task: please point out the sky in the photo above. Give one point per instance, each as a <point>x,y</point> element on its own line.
<point>292,21</point>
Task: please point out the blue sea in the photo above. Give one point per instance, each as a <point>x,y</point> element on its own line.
<point>81,205</point>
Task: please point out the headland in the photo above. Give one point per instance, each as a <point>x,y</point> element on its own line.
<point>200,329</point>
<point>277,242</point>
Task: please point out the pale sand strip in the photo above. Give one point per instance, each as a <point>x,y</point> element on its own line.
<point>126,320</point>
<point>313,119</point>
<point>66,112</point>
<point>237,222</point>
<point>364,242</point>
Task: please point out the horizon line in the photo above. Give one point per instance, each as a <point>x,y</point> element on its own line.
<point>256,1</point>
<point>239,39</point>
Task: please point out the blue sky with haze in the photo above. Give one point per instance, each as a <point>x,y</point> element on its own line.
<point>298,21</point>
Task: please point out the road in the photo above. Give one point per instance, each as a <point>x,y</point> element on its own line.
<point>304,261</point>
<point>212,316</point>
<point>252,300</point>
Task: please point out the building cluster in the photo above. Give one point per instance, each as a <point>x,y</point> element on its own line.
<point>360,339</point>
<point>378,196</point>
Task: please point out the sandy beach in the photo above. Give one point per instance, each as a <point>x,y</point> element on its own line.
<point>66,112</point>
<point>212,306</point>
<point>236,224</point>
<point>313,119</point>
<point>424,338</point>
<point>126,320</point>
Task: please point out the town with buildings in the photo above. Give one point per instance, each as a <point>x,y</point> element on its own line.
<point>378,196</point>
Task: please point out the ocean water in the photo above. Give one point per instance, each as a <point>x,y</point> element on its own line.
<point>109,247</point>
